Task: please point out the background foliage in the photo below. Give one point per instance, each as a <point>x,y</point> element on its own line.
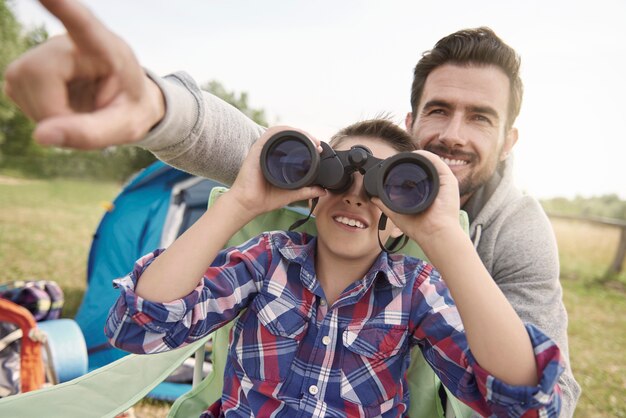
<point>607,206</point>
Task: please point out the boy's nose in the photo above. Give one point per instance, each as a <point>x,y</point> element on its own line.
<point>355,195</point>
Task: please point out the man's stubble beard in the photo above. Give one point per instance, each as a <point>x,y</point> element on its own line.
<point>473,180</point>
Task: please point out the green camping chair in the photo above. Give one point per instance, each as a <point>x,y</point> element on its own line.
<point>114,388</point>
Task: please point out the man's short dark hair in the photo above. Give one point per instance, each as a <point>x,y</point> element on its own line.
<point>479,47</point>
<point>379,128</point>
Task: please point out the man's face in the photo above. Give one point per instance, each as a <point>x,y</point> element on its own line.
<point>462,118</point>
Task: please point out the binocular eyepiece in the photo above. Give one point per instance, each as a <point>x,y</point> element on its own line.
<point>406,182</point>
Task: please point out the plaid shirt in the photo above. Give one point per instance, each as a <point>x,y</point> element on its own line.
<point>292,355</point>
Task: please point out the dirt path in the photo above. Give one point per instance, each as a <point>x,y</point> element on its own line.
<point>13,181</point>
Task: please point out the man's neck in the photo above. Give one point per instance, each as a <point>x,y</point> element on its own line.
<point>475,202</point>
<point>464,199</point>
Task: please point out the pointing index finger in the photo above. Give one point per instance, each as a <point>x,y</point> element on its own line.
<point>86,31</point>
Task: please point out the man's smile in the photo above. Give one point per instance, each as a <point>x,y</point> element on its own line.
<point>453,162</point>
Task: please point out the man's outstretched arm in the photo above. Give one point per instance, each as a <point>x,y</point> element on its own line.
<point>200,133</point>
<point>86,90</point>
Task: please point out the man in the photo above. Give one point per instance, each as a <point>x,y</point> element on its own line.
<point>87,90</point>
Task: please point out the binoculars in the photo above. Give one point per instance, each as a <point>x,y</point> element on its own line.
<point>406,182</point>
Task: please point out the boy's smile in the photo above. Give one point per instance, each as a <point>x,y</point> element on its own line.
<point>350,221</point>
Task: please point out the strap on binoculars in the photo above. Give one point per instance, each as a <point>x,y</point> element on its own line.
<point>301,222</point>
<point>402,239</point>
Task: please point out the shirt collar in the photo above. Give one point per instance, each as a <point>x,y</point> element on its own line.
<point>388,266</point>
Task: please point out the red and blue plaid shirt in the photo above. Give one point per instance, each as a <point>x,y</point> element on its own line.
<point>292,355</point>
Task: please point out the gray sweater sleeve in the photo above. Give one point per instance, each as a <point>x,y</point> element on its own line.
<point>200,133</point>
<point>527,271</point>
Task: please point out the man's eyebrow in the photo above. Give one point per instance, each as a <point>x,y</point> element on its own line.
<point>437,103</point>
<point>485,110</point>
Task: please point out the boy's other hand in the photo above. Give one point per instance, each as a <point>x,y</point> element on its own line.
<point>255,194</point>
<point>85,89</point>
<point>440,217</point>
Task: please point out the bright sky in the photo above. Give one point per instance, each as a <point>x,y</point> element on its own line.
<point>321,65</point>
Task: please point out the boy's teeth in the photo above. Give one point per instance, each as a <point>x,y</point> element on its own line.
<point>449,161</point>
<point>350,222</point>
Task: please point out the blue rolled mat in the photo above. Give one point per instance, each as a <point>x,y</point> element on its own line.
<point>169,391</point>
<point>67,347</point>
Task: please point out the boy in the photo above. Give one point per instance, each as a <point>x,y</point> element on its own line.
<point>330,320</point>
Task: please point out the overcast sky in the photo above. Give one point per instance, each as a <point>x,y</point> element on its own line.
<point>321,65</point>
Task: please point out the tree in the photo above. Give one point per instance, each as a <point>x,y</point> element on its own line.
<point>12,46</point>
<point>240,101</point>
<point>15,129</point>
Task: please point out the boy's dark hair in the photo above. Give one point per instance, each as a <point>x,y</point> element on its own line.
<point>479,47</point>
<point>380,128</point>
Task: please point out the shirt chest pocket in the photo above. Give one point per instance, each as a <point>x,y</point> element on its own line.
<point>268,337</point>
<point>374,360</point>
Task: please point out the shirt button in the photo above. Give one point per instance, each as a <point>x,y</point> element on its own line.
<point>323,302</point>
<point>313,390</point>
<point>326,340</point>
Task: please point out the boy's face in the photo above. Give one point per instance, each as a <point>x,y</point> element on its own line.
<point>347,223</point>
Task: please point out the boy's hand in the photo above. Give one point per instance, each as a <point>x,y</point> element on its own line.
<point>254,194</point>
<point>442,216</point>
<point>85,89</point>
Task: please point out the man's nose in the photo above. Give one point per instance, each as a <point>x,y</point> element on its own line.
<point>453,133</point>
<point>355,195</point>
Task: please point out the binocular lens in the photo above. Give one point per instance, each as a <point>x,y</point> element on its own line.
<point>407,186</point>
<point>289,162</point>
<point>406,182</point>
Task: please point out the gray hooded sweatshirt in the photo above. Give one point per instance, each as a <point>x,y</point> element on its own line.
<point>207,137</point>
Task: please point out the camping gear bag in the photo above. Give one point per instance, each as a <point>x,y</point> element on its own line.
<point>34,343</point>
<point>43,298</point>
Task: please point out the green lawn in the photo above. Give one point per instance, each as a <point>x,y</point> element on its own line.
<point>597,333</point>
<point>597,315</point>
<point>46,229</point>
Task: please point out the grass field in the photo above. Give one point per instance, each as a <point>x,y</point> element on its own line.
<point>597,314</point>
<point>46,229</point>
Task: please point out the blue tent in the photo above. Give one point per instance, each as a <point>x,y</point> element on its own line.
<point>154,207</point>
